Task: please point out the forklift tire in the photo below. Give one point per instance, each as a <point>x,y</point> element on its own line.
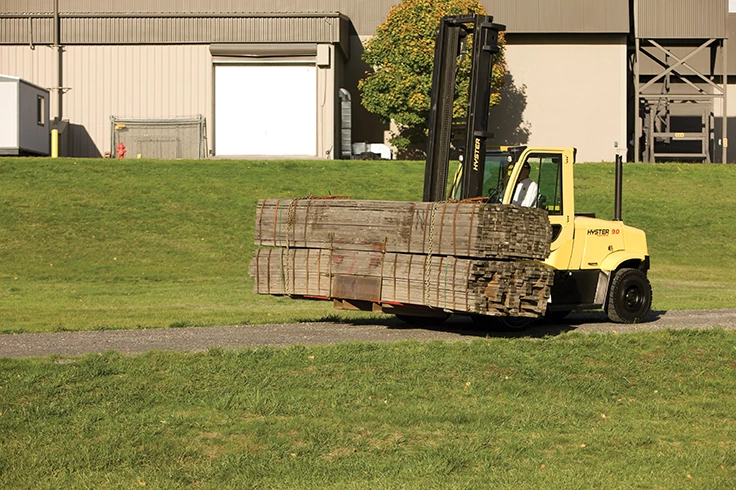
<point>629,297</point>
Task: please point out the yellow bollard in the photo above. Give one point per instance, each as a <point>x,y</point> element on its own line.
<point>54,143</point>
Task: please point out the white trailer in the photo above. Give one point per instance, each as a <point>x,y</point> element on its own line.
<point>24,118</point>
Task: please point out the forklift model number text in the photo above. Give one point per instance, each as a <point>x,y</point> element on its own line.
<point>604,232</point>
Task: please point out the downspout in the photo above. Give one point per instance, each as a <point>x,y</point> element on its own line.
<point>59,60</point>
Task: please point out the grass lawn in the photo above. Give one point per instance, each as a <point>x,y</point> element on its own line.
<point>648,410</point>
<point>91,244</point>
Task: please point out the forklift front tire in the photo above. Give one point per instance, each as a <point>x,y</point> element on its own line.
<point>629,297</point>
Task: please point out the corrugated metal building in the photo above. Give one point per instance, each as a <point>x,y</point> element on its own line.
<point>272,70</point>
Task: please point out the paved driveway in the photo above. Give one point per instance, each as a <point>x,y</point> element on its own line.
<point>203,338</point>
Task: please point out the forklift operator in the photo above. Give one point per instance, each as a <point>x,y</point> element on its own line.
<point>526,190</point>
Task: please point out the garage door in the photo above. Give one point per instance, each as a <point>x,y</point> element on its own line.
<point>265,110</point>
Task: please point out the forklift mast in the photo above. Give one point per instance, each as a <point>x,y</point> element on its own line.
<point>451,34</point>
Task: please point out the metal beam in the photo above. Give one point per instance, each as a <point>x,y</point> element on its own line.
<point>673,67</point>
<point>638,130</point>
<point>682,62</point>
<point>675,72</point>
<point>485,45</point>
<point>724,113</point>
<point>440,112</point>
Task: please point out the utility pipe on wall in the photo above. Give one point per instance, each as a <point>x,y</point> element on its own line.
<point>59,61</point>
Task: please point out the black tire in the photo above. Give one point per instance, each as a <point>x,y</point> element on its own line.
<point>501,323</point>
<point>423,320</point>
<point>629,296</point>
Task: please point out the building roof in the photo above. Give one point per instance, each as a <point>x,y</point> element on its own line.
<point>560,16</point>
<point>195,21</point>
<point>681,19</point>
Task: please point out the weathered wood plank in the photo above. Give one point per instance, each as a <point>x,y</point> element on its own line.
<point>448,228</point>
<point>491,287</point>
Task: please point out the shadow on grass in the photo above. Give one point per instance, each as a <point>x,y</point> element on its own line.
<point>463,325</point>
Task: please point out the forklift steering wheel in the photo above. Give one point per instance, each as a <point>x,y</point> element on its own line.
<point>494,195</point>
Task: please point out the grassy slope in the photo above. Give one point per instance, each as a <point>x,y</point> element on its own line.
<point>689,215</point>
<point>647,410</point>
<point>106,244</point>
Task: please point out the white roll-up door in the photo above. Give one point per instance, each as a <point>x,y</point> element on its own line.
<point>266,110</point>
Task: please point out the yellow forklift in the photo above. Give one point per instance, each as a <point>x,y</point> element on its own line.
<point>598,263</point>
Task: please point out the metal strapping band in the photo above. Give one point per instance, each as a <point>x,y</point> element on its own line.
<point>454,230</point>
<point>411,226</point>
<point>426,224</point>
<point>306,220</point>
<point>258,276</point>
<point>276,223</point>
<point>467,288</point>
<point>439,273</point>
<point>283,279</point>
<point>425,289</point>
<point>428,257</point>
<point>442,227</point>
<point>470,230</point>
<point>290,236</point>
<point>408,280</point>
<point>268,276</point>
<point>260,221</point>
<point>293,271</point>
<point>383,261</point>
<point>306,290</point>
<point>329,276</point>
<point>454,275</point>
<point>319,272</point>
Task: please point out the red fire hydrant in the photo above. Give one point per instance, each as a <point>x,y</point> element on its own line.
<point>121,150</point>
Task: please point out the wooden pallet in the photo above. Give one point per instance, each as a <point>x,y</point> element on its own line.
<point>476,230</point>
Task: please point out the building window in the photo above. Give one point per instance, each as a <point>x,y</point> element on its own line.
<point>41,110</point>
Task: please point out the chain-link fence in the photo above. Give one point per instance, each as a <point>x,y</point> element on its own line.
<point>159,138</point>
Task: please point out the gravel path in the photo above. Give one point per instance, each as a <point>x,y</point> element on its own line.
<point>456,329</point>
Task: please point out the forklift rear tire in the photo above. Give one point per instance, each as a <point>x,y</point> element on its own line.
<point>629,297</point>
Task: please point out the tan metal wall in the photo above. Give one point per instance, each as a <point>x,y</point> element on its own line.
<point>694,19</point>
<point>198,30</point>
<point>552,99</point>
<point>27,30</point>
<point>153,81</point>
<point>38,66</point>
<point>561,16</point>
<point>366,14</point>
<point>27,6</point>
<point>134,82</point>
<point>542,16</point>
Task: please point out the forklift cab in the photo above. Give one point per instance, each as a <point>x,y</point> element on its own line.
<point>501,176</point>
<point>551,171</point>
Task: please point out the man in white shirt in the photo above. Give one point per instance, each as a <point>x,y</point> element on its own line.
<point>526,190</point>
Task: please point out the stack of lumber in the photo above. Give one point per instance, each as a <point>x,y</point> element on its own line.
<point>447,228</point>
<point>490,287</point>
<point>466,257</point>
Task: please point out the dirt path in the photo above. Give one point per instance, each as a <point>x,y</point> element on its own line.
<point>456,329</point>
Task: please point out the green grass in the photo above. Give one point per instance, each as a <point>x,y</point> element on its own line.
<point>90,244</point>
<point>647,410</point>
